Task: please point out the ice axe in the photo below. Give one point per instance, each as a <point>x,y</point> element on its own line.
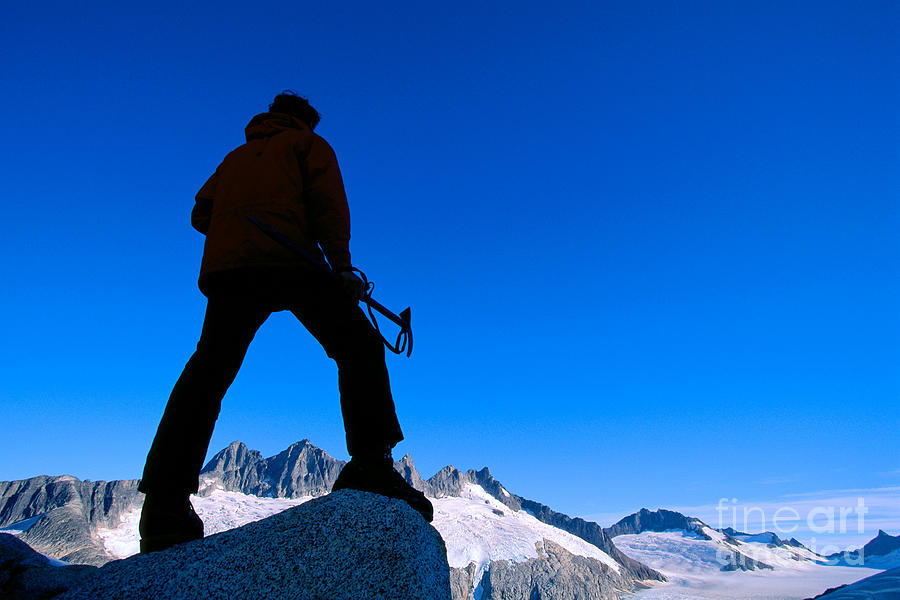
<point>404,338</point>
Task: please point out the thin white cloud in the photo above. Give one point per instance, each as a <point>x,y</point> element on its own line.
<point>814,518</point>
<point>775,480</point>
<point>823,520</point>
<point>840,491</point>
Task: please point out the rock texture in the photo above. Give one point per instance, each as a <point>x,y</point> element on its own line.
<point>66,512</point>
<point>301,470</point>
<point>462,582</point>
<point>406,468</point>
<point>347,545</point>
<point>28,575</point>
<point>555,574</point>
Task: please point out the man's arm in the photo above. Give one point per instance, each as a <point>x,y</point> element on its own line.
<point>326,203</point>
<point>203,202</point>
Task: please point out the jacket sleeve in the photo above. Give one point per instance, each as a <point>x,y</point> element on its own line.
<point>203,202</point>
<point>326,203</point>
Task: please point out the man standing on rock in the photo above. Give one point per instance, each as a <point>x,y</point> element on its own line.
<point>287,177</point>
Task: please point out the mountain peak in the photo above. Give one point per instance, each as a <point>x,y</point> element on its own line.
<point>450,481</point>
<point>301,469</point>
<point>655,520</point>
<point>882,544</point>
<point>405,467</point>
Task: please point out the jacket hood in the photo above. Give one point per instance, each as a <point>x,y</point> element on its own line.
<point>269,123</point>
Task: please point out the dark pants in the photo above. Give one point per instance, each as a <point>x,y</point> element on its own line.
<point>238,304</point>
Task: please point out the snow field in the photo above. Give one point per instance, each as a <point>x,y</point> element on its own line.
<point>693,569</point>
<point>479,528</point>
<point>476,527</point>
<point>220,511</point>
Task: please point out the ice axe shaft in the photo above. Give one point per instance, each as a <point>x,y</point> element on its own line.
<point>380,308</point>
<point>402,320</point>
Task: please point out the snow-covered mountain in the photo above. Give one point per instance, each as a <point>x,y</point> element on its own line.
<point>766,537</point>
<point>59,516</point>
<point>496,541</point>
<point>702,562</point>
<point>725,549</point>
<point>499,544</point>
<point>881,552</point>
<point>451,482</point>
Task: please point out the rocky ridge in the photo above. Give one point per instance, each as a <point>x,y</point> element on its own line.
<point>556,573</point>
<point>29,575</point>
<point>62,513</point>
<point>881,552</point>
<point>238,469</point>
<point>659,520</point>
<point>349,544</point>
<point>769,537</point>
<point>300,470</point>
<point>730,541</point>
<point>303,470</point>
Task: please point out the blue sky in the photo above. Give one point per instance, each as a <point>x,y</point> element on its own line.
<point>650,247</point>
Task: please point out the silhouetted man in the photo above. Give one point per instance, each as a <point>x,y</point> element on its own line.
<point>287,177</point>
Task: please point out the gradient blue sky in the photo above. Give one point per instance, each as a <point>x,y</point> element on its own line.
<point>651,247</point>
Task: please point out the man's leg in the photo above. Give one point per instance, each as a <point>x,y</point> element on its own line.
<point>337,322</point>
<point>176,456</point>
<point>370,418</point>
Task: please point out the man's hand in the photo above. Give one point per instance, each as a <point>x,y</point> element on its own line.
<point>353,285</point>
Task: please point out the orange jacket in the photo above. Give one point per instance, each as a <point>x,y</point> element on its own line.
<point>285,176</point>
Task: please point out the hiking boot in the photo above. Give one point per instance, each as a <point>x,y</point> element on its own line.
<point>379,477</point>
<point>166,521</point>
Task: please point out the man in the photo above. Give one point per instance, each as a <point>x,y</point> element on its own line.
<point>287,177</point>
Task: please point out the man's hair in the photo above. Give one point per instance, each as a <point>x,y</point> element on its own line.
<point>288,102</point>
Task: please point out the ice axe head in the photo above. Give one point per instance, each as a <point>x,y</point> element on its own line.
<point>406,316</point>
